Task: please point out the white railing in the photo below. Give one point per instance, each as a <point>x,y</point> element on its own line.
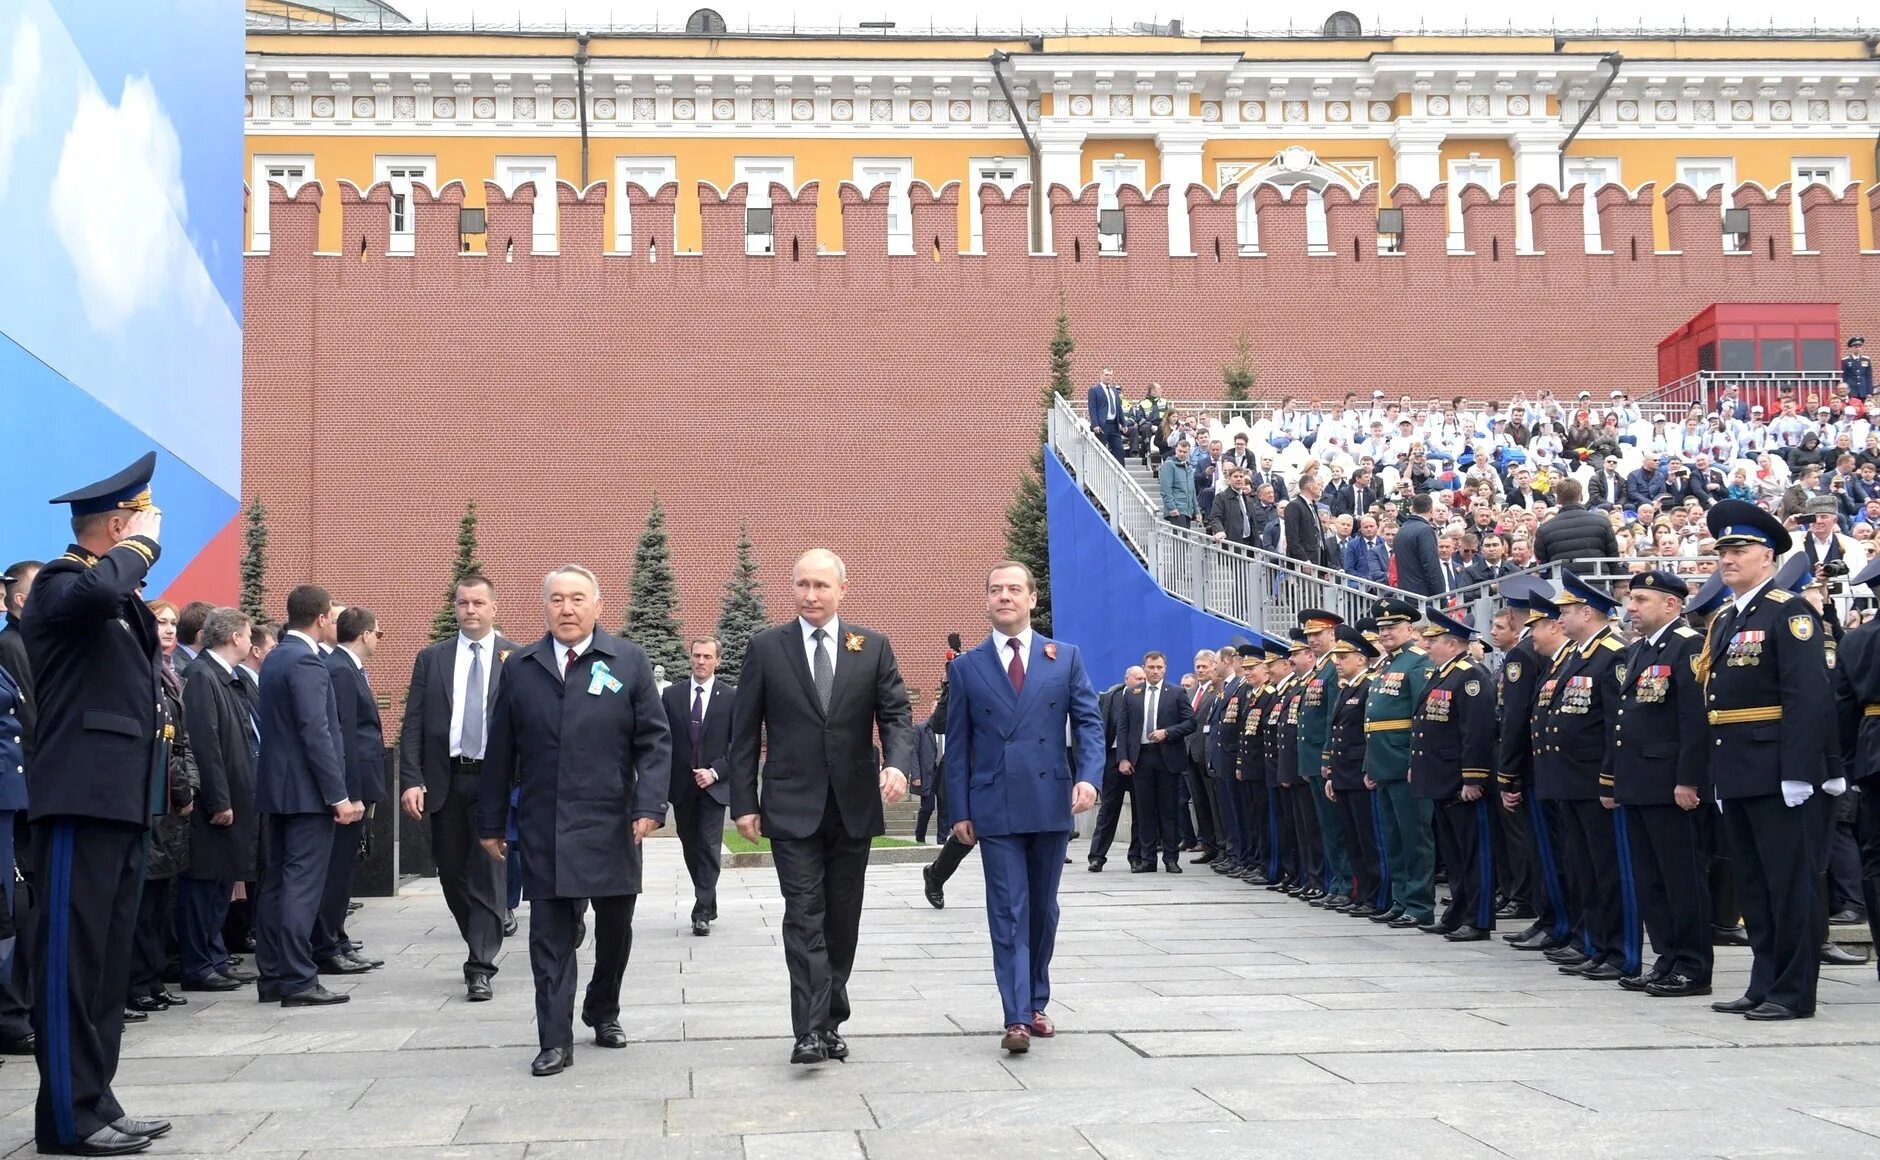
<point>1753,388</point>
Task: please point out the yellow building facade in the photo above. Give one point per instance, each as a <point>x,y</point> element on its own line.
<point>366,106</point>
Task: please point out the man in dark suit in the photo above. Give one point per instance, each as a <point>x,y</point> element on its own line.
<point>223,828</point>
<point>1015,786</point>
<point>577,726</point>
<point>1419,566</point>
<point>1116,784</point>
<point>1367,556</point>
<point>698,714</point>
<point>1105,406</point>
<point>1492,564</point>
<point>1201,703</point>
<point>440,770</point>
<point>96,773</point>
<point>1606,488</point>
<point>813,692</point>
<point>1305,540</point>
<point>363,747</point>
<point>1156,719</point>
<point>301,792</point>
<point>1230,519</point>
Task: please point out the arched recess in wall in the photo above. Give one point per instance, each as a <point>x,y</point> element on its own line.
<point>1293,166</point>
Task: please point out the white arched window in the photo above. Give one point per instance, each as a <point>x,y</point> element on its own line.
<point>1292,168</point>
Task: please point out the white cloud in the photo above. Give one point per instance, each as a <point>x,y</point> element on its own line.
<point>118,206</point>
<point>19,96</point>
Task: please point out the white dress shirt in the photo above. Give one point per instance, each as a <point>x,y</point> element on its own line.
<point>834,631</point>
<point>577,648</point>
<point>311,643</point>
<point>1001,642</point>
<point>460,677</point>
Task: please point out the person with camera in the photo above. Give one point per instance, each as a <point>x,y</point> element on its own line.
<point>1831,552</point>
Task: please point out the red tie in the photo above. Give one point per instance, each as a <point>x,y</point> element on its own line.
<point>567,662</point>
<point>1015,670</point>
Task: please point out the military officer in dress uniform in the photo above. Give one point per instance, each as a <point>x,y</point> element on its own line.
<point>1243,819</point>
<point>1572,771</point>
<point>1403,817</point>
<point>1295,789</point>
<point>1523,668</point>
<point>1548,820</point>
<point>1857,700</point>
<point>1452,744</point>
<point>1857,369</point>
<point>1771,719</point>
<point>1342,767</point>
<point>1275,841</point>
<point>94,785</point>
<point>1660,763</point>
<point>1315,729</point>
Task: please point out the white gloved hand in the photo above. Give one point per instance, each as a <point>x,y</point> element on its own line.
<point>1794,793</point>
<point>1834,786</point>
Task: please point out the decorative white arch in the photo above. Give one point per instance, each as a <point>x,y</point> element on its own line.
<point>1292,166</point>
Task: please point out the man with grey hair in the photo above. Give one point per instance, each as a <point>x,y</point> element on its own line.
<point>577,726</point>
<point>224,827</point>
<point>811,695</point>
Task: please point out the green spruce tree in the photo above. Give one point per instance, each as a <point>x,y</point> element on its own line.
<point>254,598</point>
<point>1239,375</point>
<point>652,617</point>
<point>1027,539</point>
<point>742,614</point>
<point>444,624</point>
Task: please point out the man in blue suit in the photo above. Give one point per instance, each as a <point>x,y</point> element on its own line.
<point>362,748</point>
<point>1012,703</point>
<point>1105,406</point>
<point>301,794</point>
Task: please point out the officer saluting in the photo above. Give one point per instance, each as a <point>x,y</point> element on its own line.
<point>93,786</point>
<point>1857,369</point>
<point>1660,765</point>
<point>1770,710</point>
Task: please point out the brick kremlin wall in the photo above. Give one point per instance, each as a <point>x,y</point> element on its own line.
<point>883,405</point>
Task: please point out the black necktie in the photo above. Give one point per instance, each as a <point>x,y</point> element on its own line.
<point>698,718</point>
<point>824,670</point>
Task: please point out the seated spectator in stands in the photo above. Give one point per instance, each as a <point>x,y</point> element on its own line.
<point>1646,483</point>
<point>1809,454</point>
<point>1240,456</point>
<point>1179,505</point>
<point>1230,519</point>
<point>1605,488</point>
<point>1807,485</point>
<point>1681,487</point>
<point>1521,551</point>
<point>1709,479</point>
<point>1740,486</point>
<point>1492,563</point>
<point>1366,555</point>
<point>1772,477</point>
<point>1869,513</point>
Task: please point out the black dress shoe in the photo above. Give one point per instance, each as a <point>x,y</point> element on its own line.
<point>1205,856</point>
<point>700,927</point>
<point>1514,912</point>
<point>609,1034</point>
<point>1134,863</point>
<point>935,892</point>
<point>1728,936</point>
<point>148,1128</point>
<point>1173,867</point>
<point>1677,987</point>
<point>1435,926</point>
<point>1388,916</point>
<point>1846,918</point>
<point>1095,866</point>
<point>509,924</point>
<point>353,905</point>
<point>809,1049</point>
<point>554,1061</point>
<point>239,973</point>
<point>1403,922</point>
<point>477,988</point>
<point>148,1004</point>
<point>1143,868</point>
<point>106,1141</point>
<point>1467,934</point>
<point>1362,910</point>
<point>213,983</point>
<point>19,1044</point>
<point>1836,955</point>
<point>1736,1006</point>
<point>341,965</point>
<point>1543,941</point>
<point>359,956</point>
<point>172,999</point>
<point>314,996</point>
<point>1601,973</point>
<point>835,1046</point>
<point>132,1015</point>
<point>1769,1012</point>
<point>1639,981</point>
<point>1567,957</point>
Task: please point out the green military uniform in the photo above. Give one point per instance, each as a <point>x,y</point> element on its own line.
<point>1315,732</point>
<point>1403,819</point>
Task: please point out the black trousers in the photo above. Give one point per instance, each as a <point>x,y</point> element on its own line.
<point>701,825</point>
<point>1201,792</point>
<point>927,803</point>
<point>298,848</point>
<point>1671,856</point>
<point>1305,816</point>
<point>821,878</point>
<point>1157,804</point>
<point>475,887</point>
<point>951,855</point>
<point>16,968</point>
<point>90,873</point>
<point>1282,838</point>
<point>1843,852</point>
<point>1599,865</point>
<point>1116,787</point>
<point>1517,863</point>
<point>149,941</point>
<point>1465,840</point>
<point>554,961</point>
<point>1867,833</point>
<point>201,910</point>
<point>329,930</point>
<point>1773,860</point>
<point>1369,884</point>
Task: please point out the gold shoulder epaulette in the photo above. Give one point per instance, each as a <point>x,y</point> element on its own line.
<point>1686,630</point>
<point>1609,643</point>
<point>1778,596</point>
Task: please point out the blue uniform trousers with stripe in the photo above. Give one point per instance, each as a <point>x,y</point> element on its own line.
<point>1463,836</point>
<point>90,876</point>
<point>1599,865</point>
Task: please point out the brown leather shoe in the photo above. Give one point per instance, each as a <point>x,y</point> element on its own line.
<point>1017,1039</point>
<point>1041,1025</point>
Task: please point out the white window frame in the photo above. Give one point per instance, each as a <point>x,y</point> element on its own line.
<point>1594,173</point>
<point>898,172</point>
<point>399,172</point>
<point>649,173</point>
<point>1111,176</point>
<point>514,170</point>
<point>1829,171</point>
<point>264,168</point>
<point>1460,173</point>
<point>1688,171</point>
<point>1005,173</point>
<point>757,173</point>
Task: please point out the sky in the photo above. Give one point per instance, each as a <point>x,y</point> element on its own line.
<point>1197,15</point>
